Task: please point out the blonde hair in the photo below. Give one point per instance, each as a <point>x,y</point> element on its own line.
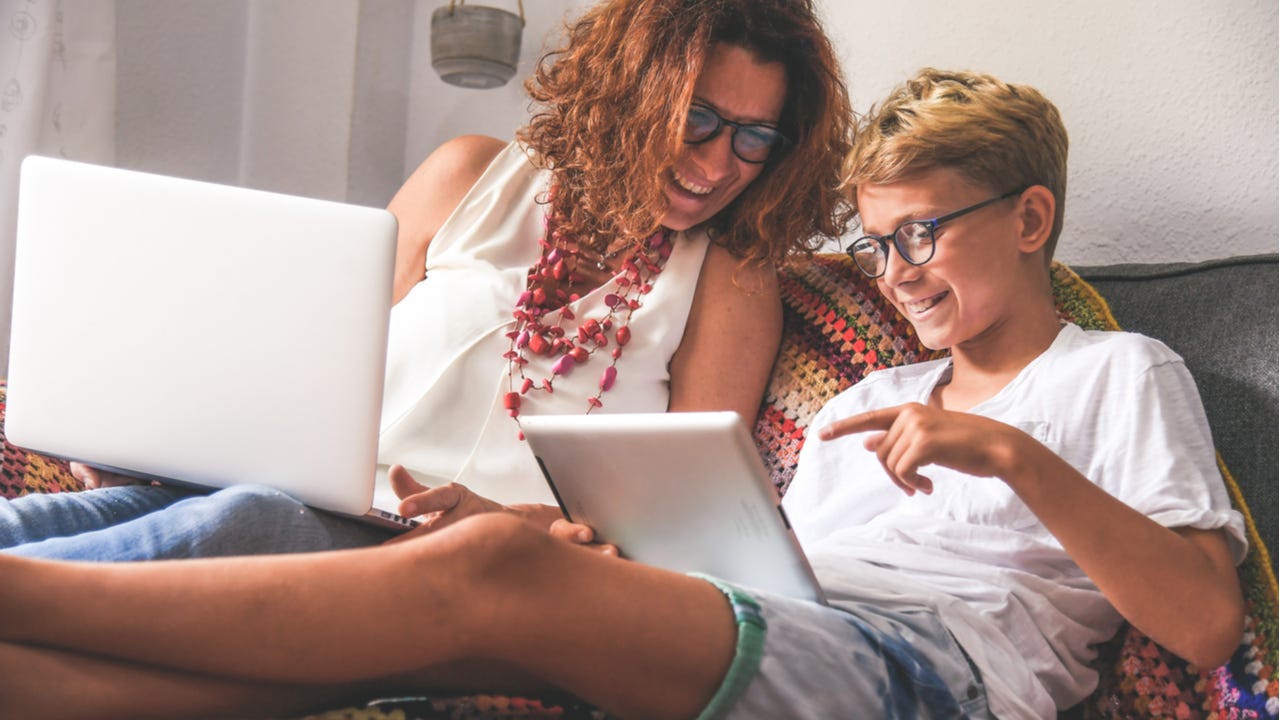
<point>997,134</point>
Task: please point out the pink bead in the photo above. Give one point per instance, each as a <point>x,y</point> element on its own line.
<point>553,256</point>
<point>607,379</point>
<point>522,340</point>
<point>563,366</point>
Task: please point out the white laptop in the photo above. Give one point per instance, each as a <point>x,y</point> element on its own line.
<point>200,333</point>
<point>682,491</point>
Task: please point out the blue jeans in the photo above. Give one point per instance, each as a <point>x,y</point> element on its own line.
<point>147,522</point>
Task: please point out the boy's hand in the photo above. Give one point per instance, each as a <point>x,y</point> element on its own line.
<point>913,435</point>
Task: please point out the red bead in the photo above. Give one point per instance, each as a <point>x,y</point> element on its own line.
<point>511,401</point>
<point>539,296</point>
<point>546,385</point>
<point>526,385</point>
<point>617,353</point>
<point>538,344</point>
<point>594,402</point>
<point>579,354</point>
<point>600,339</point>
<point>623,335</point>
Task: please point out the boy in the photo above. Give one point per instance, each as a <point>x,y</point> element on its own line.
<point>1053,481</point>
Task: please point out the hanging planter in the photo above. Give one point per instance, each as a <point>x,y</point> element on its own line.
<point>474,46</point>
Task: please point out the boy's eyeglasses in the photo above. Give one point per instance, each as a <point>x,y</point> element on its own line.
<point>751,142</point>
<point>914,240</point>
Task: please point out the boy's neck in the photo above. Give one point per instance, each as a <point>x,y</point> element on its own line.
<point>983,366</point>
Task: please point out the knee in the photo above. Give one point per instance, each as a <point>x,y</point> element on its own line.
<point>489,551</point>
<point>256,499</point>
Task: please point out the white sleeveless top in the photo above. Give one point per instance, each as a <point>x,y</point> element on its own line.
<point>442,411</point>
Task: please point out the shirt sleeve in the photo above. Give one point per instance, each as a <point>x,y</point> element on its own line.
<point>1161,459</point>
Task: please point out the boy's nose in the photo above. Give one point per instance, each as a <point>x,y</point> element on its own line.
<point>896,270</point>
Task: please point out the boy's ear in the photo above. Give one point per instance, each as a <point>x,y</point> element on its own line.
<point>1036,210</point>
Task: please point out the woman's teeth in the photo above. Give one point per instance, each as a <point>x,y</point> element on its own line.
<point>688,185</point>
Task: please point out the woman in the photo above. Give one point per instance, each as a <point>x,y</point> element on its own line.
<point>617,257</point>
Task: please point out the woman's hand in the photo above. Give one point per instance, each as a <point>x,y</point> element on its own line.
<point>442,506</point>
<point>93,478</point>
<point>579,534</point>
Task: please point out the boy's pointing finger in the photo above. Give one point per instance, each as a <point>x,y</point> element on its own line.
<point>881,419</point>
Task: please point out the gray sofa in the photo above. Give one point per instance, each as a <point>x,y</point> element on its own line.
<point>1221,317</point>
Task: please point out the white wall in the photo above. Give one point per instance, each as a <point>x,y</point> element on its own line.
<point>1171,106</point>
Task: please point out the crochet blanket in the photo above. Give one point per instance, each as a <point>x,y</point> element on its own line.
<point>836,330</point>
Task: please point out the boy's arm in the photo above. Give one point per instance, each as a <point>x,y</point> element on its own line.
<point>1150,573</point>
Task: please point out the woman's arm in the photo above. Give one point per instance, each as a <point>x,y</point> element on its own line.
<point>730,340</point>
<point>430,196</point>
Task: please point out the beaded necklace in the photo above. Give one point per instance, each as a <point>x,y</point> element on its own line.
<point>542,311</point>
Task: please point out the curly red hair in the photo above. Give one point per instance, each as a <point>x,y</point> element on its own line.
<point>612,105</point>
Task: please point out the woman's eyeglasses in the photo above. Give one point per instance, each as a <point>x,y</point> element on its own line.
<point>751,142</point>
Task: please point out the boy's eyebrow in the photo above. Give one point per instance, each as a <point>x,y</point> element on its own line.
<point>904,217</point>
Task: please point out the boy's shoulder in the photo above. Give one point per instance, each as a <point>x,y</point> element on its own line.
<point>1112,347</point>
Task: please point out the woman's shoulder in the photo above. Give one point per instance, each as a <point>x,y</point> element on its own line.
<point>464,157</point>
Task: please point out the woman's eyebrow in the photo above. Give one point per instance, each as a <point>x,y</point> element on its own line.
<point>736,118</point>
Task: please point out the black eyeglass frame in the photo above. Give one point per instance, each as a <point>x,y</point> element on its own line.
<point>931,225</point>
<point>781,143</point>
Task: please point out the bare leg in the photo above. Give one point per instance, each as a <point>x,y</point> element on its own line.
<point>631,639</point>
<point>89,688</point>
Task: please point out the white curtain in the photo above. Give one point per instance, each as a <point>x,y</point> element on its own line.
<point>57,97</point>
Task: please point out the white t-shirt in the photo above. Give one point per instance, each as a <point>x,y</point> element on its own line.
<point>1120,408</point>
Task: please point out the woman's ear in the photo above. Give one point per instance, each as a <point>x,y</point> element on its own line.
<point>1036,210</point>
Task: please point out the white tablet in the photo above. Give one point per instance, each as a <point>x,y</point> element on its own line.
<point>682,491</point>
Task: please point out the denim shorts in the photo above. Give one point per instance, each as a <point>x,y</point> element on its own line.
<point>798,659</point>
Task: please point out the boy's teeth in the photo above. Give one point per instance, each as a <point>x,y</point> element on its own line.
<point>691,187</point>
<point>922,305</point>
